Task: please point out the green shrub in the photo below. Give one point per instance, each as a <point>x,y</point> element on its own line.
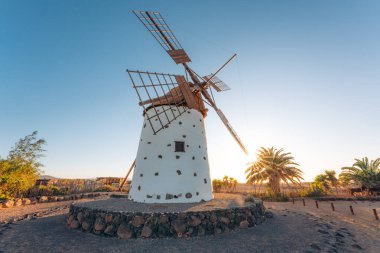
<point>314,190</point>
<point>105,188</point>
<point>267,196</point>
<point>50,190</point>
<point>21,168</point>
<point>217,185</point>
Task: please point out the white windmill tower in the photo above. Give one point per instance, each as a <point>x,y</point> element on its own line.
<point>171,165</point>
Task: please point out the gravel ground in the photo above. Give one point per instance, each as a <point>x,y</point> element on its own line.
<point>294,228</point>
<point>222,200</point>
<point>40,209</point>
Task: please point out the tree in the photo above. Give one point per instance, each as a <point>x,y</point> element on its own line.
<point>273,166</point>
<point>332,179</point>
<point>217,185</point>
<point>21,169</point>
<point>322,182</point>
<point>362,173</point>
<point>28,150</point>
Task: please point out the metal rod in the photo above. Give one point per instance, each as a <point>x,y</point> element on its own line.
<point>333,207</point>
<point>352,210</point>
<point>159,97</point>
<point>220,68</point>
<point>316,204</point>
<point>193,77</point>
<point>303,201</point>
<point>154,108</point>
<point>162,88</point>
<point>159,29</point>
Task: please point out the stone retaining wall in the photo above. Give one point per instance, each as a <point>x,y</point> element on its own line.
<point>186,224</point>
<point>46,199</point>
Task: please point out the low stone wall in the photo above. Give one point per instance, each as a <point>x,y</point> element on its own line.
<point>152,225</point>
<point>46,199</point>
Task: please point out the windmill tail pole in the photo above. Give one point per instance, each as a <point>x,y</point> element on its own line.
<point>129,172</point>
<point>208,79</point>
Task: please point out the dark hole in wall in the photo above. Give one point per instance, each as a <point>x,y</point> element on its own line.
<point>179,146</point>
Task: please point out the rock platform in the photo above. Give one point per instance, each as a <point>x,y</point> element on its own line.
<point>123,218</point>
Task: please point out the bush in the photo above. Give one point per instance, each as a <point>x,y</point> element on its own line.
<point>106,188</point>
<point>217,185</point>
<point>19,171</point>
<point>267,196</point>
<point>228,184</point>
<point>314,190</point>
<point>48,190</point>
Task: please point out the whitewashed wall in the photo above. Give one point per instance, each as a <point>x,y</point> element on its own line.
<point>162,175</point>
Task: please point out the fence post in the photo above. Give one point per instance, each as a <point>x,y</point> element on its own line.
<point>303,201</point>
<point>352,210</point>
<point>375,213</point>
<point>316,204</point>
<point>332,206</point>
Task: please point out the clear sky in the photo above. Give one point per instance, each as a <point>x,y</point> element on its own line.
<point>306,79</point>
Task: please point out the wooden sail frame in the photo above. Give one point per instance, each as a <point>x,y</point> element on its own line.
<point>158,27</point>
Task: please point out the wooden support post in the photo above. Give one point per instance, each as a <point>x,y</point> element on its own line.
<point>126,177</point>
<point>375,213</point>
<point>316,204</point>
<point>303,201</point>
<point>293,200</point>
<point>332,206</point>
<point>352,210</point>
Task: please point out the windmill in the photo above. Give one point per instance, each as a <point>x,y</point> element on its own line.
<point>171,164</point>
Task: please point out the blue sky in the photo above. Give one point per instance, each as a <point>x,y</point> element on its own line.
<point>306,79</point>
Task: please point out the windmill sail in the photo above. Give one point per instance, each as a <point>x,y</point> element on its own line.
<point>230,129</point>
<point>216,83</point>
<point>161,93</point>
<point>157,26</point>
<point>225,121</point>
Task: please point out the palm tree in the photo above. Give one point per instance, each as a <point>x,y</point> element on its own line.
<point>273,166</point>
<point>331,178</point>
<point>323,181</point>
<point>362,172</point>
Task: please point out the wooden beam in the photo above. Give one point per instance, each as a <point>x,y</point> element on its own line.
<point>187,92</point>
<point>179,56</point>
<point>129,172</point>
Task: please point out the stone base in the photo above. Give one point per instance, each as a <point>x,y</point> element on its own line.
<point>156,224</point>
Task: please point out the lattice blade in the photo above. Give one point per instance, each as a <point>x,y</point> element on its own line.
<point>216,83</point>
<point>230,129</point>
<point>160,96</point>
<point>156,25</point>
